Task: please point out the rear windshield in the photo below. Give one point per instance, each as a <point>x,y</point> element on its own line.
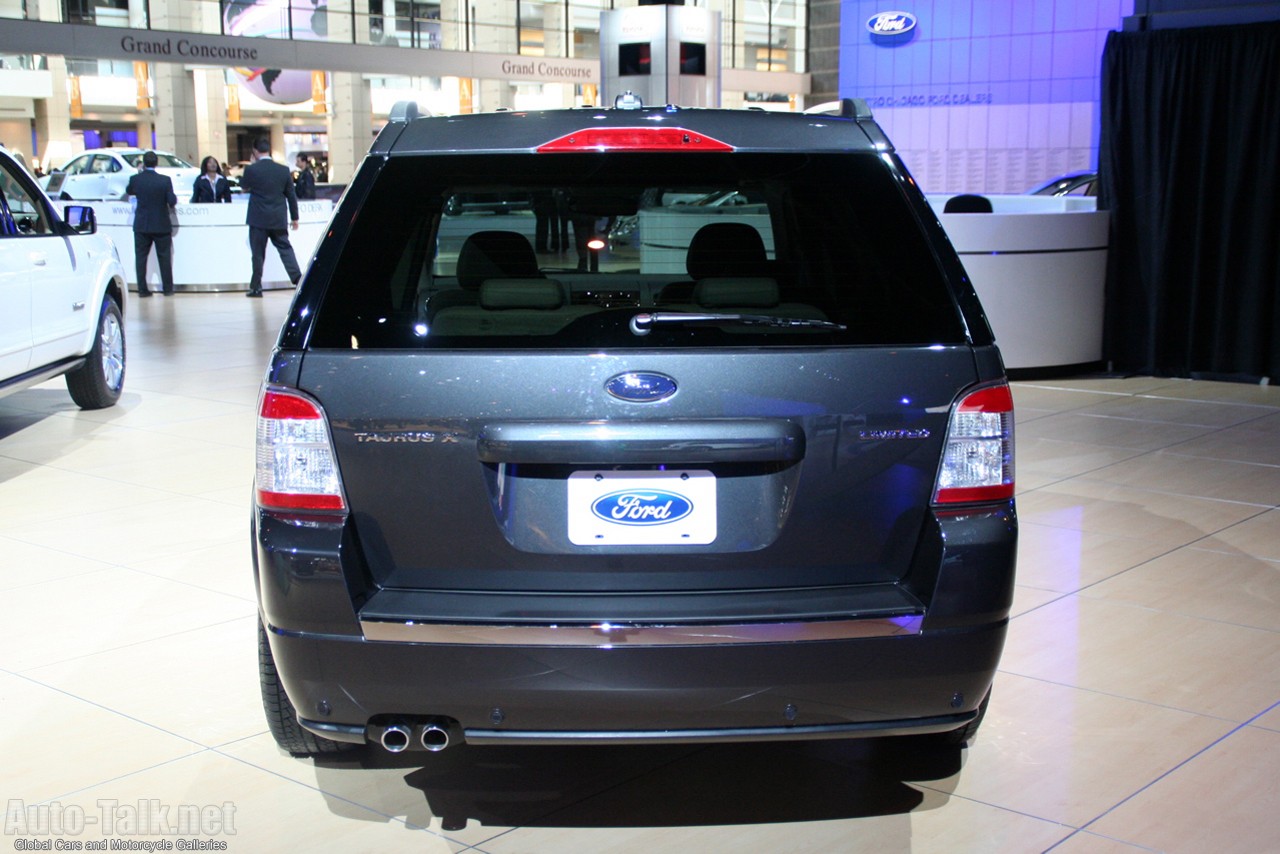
<point>563,251</point>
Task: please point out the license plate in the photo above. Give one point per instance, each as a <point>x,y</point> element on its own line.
<point>642,508</point>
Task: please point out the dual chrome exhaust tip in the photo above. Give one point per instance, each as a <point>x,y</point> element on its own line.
<point>432,736</point>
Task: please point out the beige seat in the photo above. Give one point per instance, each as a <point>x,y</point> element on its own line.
<point>513,306</point>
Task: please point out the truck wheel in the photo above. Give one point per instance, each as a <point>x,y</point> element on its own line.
<point>98,382</point>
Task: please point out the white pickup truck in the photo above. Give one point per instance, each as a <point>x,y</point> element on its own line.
<point>62,295</point>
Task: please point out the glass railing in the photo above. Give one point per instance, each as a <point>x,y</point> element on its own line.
<point>745,44</point>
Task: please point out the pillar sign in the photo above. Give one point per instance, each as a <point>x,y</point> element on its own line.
<point>318,106</point>
<point>142,79</point>
<point>664,54</point>
<point>233,103</point>
<point>77,103</point>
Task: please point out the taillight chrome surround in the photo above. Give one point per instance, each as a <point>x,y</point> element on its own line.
<point>297,469</point>
<point>977,458</point>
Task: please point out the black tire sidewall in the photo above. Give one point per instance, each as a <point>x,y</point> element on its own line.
<point>88,383</point>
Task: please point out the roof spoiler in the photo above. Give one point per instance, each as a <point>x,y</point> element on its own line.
<point>845,108</point>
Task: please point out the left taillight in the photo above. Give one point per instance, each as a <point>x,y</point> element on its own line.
<point>977,462</point>
<point>296,466</point>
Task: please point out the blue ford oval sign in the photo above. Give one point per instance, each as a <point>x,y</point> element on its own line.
<point>891,23</point>
<point>642,507</point>
<point>641,387</point>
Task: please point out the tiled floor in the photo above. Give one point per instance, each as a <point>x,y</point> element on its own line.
<point>1137,707</point>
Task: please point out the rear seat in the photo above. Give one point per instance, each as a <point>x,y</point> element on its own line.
<point>512,307</point>
<point>726,261</point>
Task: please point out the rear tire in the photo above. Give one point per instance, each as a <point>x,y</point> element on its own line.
<point>98,382</point>
<point>282,718</point>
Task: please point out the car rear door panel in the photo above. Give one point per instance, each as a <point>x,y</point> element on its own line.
<point>823,463</point>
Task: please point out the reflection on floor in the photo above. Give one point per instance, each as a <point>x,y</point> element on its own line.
<point>1136,707</point>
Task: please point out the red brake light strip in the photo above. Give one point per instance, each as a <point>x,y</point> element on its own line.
<point>634,139</point>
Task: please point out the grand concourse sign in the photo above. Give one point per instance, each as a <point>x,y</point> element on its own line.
<point>157,48</point>
<point>197,49</point>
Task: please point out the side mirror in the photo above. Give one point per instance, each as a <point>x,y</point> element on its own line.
<point>81,218</point>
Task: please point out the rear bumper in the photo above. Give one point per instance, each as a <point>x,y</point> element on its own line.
<point>861,674</point>
<point>929,682</point>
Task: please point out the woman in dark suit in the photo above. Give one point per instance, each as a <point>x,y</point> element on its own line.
<point>209,185</point>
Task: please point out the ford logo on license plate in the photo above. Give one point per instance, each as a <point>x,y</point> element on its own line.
<point>642,507</point>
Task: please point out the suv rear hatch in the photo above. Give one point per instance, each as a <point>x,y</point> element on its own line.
<point>725,401</point>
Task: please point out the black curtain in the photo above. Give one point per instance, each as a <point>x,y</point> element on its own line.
<point>1190,170</point>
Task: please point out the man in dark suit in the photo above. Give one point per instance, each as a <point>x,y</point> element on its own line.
<point>305,184</point>
<point>271,196</point>
<point>151,222</point>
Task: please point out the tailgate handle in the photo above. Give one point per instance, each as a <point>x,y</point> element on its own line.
<point>676,442</point>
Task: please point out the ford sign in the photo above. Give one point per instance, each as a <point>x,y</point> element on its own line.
<point>642,507</point>
<point>891,23</point>
<point>641,387</point>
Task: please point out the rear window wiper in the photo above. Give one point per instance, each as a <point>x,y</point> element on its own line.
<point>642,324</point>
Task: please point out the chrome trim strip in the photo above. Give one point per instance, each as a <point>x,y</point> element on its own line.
<point>916,726</point>
<point>608,636</point>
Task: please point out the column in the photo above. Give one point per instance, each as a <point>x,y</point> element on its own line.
<point>211,114</point>
<point>496,33</point>
<point>348,21</point>
<point>452,33</point>
<point>175,111</point>
<point>350,124</point>
<point>277,140</point>
<point>53,119</point>
<point>53,115</point>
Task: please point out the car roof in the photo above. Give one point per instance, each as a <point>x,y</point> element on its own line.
<point>123,150</point>
<point>1068,178</point>
<point>851,128</point>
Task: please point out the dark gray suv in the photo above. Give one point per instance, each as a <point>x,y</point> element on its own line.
<point>646,425</point>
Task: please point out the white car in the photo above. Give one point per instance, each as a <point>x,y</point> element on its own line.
<point>63,291</point>
<point>103,173</point>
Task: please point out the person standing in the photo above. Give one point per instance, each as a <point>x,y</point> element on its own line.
<point>152,224</point>
<point>304,185</point>
<point>210,185</point>
<point>271,196</point>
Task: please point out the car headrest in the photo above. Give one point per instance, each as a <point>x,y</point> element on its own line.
<point>743,292</point>
<point>521,293</point>
<point>495,254</point>
<point>725,249</point>
<point>967,203</point>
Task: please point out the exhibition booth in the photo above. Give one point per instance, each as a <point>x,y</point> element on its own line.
<point>211,244</point>
<point>1039,265</point>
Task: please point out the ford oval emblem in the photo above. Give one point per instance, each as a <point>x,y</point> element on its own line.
<point>642,507</point>
<point>891,23</point>
<point>641,387</point>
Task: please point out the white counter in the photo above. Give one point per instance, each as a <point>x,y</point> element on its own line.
<point>1039,265</point>
<point>211,244</point>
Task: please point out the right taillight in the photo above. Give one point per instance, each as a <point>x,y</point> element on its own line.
<point>977,462</point>
<point>296,469</point>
